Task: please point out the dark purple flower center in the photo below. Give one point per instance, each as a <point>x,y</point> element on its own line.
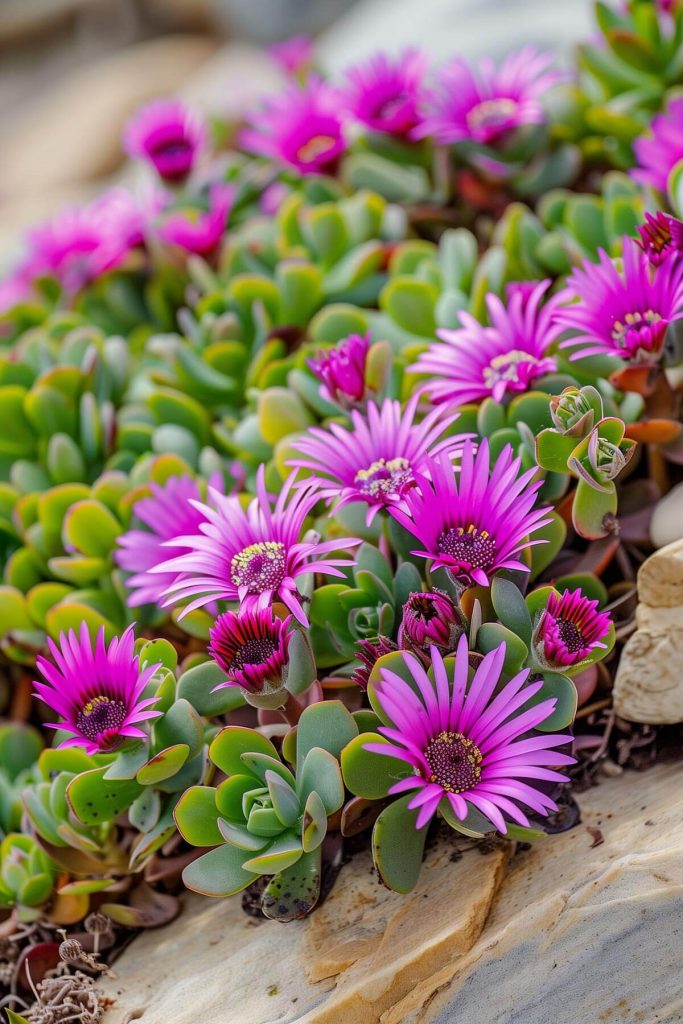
<point>385,478</point>
<point>570,635</point>
<point>422,606</point>
<point>252,652</point>
<point>491,113</point>
<point>259,567</point>
<point>316,147</point>
<point>454,762</point>
<point>100,715</point>
<point>172,147</point>
<point>470,547</point>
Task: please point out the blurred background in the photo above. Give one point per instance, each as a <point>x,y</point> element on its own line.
<point>72,71</point>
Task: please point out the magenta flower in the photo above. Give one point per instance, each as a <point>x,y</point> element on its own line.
<point>468,745</point>
<point>167,136</point>
<point>251,648</point>
<point>14,290</point>
<point>476,521</point>
<point>623,313</point>
<point>293,56</point>
<point>658,152</point>
<point>384,94</point>
<point>342,370</point>
<point>167,513</point>
<point>254,556</point>
<point>199,231</point>
<point>430,620</point>
<point>300,128</point>
<point>475,362</point>
<point>568,630</point>
<point>97,691</point>
<point>378,461</point>
<point>484,103</point>
<point>661,237</point>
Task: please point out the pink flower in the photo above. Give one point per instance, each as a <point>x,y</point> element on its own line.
<point>251,648</point>
<point>342,370</point>
<point>467,742</point>
<point>378,461</point>
<point>300,128</point>
<point>293,56</point>
<point>661,237</point>
<point>476,521</point>
<point>475,362</point>
<point>658,152</point>
<point>167,136</point>
<point>384,94</point>
<point>484,103</point>
<point>97,691</point>
<point>253,555</point>
<point>569,629</point>
<point>196,230</point>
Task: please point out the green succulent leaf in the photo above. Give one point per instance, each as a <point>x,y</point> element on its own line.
<point>95,799</point>
<point>196,817</point>
<point>510,608</point>
<point>321,773</point>
<point>293,893</point>
<point>218,872</point>
<point>233,741</point>
<point>398,846</point>
<point>368,774</point>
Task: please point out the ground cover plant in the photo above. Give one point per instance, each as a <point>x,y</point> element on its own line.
<point>327,457</point>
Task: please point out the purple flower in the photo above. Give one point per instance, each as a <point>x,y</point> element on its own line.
<point>476,521</point>
<point>568,630</point>
<point>377,462</point>
<point>253,555</point>
<point>251,648</point>
<point>97,691</point>
<point>342,370</point>
<point>623,313</point>
<point>293,56</point>
<point>430,620</point>
<point>467,742</point>
<point>14,290</point>
<point>166,135</point>
<point>199,231</point>
<point>384,94</point>
<point>167,514</point>
<point>661,237</point>
<point>484,103</point>
<point>368,653</point>
<point>658,152</point>
<point>300,128</point>
<point>476,362</point>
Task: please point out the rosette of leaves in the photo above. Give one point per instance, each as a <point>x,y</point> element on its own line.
<point>265,818</point>
<point>568,227</point>
<point>27,876</point>
<point>367,606</point>
<point>593,449</point>
<point>625,74</point>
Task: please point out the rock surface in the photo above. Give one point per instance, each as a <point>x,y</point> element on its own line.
<point>648,686</point>
<point>580,931</point>
<point>666,525</point>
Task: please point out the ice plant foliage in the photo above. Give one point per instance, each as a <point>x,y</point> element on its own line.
<point>384,94</point>
<point>96,690</point>
<point>474,361</point>
<point>483,103</point>
<point>253,555</point>
<point>622,312</point>
<point>167,136</point>
<point>300,128</point>
<point>569,629</point>
<point>476,520</point>
<point>378,461</point>
<point>466,744</point>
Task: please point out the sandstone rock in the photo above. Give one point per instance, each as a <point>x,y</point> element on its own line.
<point>660,577</point>
<point>73,133</point>
<point>233,80</point>
<point>649,682</point>
<point>579,932</point>
<point>666,525</point>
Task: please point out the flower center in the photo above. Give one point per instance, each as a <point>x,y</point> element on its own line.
<point>385,478</point>
<point>471,547</point>
<point>506,367</point>
<point>100,715</point>
<point>570,635</point>
<point>259,567</point>
<point>639,332</point>
<point>422,607</point>
<point>454,762</point>
<point>172,147</point>
<point>491,113</point>
<point>315,147</point>
<point>252,652</point>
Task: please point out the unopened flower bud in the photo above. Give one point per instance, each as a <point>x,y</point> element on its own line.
<point>430,620</point>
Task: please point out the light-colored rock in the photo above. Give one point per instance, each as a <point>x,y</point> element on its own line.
<point>660,577</point>
<point>648,686</point>
<point>580,932</point>
<point>364,949</point>
<point>72,134</point>
<point>233,80</point>
<point>666,525</point>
